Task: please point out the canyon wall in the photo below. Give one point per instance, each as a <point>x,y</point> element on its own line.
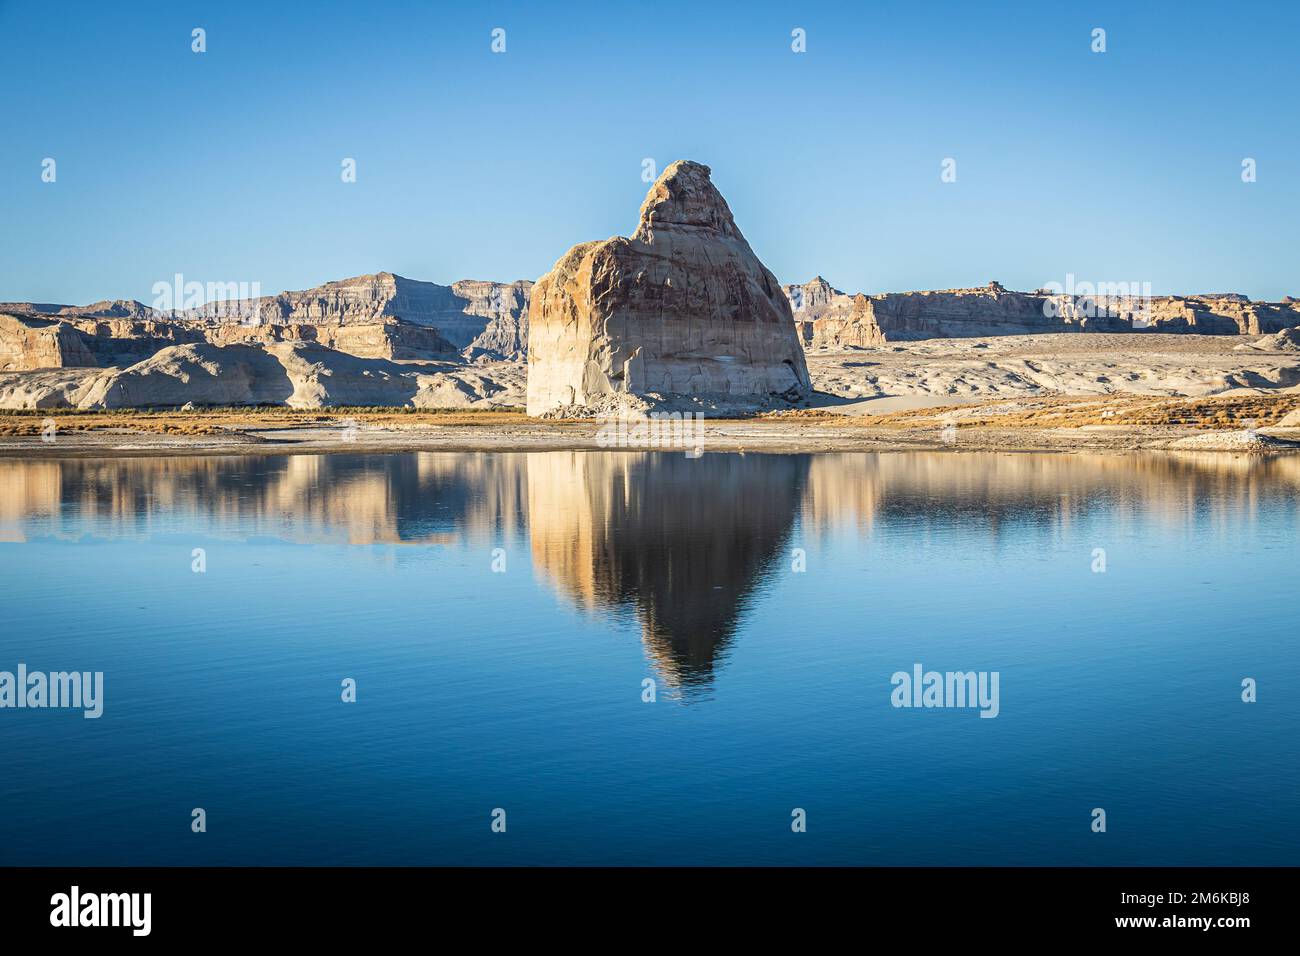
<point>828,318</point>
<point>29,342</point>
<point>484,318</point>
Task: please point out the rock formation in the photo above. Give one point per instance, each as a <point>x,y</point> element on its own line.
<point>29,342</point>
<point>1287,340</point>
<point>108,309</point>
<point>486,319</point>
<point>828,318</point>
<point>831,319</point>
<point>481,317</point>
<point>294,373</point>
<point>683,307</point>
<point>814,302</point>
<point>1223,314</point>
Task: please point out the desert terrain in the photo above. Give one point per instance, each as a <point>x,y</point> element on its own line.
<point>1060,392</point>
<point>678,329</point>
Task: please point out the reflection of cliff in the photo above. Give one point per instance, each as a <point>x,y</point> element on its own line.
<point>988,491</point>
<point>682,541</point>
<point>358,499</point>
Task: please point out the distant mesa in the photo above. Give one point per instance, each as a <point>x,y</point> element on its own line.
<point>374,340</point>
<point>681,308</point>
<point>483,318</point>
<point>829,319</point>
<point>475,318</point>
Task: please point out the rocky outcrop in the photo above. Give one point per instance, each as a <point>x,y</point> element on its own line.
<point>681,308</point>
<point>28,342</point>
<point>485,319</point>
<point>1288,340</point>
<point>296,374</point>
<point>504,335</point>
<point>481,317</point>
<point>1224,314</point>
<point>828,318</point>
<point>831,319</point>
<point>386,338</point>
<point>816,301</point>
<point>108,309</point>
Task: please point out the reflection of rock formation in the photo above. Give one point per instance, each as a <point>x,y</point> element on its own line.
<point>682,541</point>
<point>429,498</point>
<point>985,493</point>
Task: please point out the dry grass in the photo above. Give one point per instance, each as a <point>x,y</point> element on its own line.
<point>785,414</point>
<point>1009,413</point>
<point>1076,412</point>
<point>218,420</point>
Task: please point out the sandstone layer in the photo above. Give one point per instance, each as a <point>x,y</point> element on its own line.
<point>292,373</point>
<point>485,318</point>
<point>29,342</point>
<point>1229,314</point>
<point>681,308</point>
<point>830,319</point>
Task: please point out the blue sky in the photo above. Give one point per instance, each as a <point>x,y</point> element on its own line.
<point>225,166</point>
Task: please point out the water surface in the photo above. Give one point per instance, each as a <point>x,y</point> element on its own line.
<point>501,613</point>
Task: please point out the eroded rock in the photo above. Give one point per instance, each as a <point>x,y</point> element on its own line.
<point>681,308</point>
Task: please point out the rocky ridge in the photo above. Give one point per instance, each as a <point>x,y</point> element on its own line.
<point>830,319</point>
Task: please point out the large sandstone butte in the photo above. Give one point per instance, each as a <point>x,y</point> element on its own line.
<point>683,307</point>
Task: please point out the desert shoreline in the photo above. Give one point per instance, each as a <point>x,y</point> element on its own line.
<point>738,436</point>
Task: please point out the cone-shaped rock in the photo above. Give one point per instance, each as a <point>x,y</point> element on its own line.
<point>683,307</point>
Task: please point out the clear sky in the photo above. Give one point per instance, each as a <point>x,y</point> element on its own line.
<point>1123,166</point>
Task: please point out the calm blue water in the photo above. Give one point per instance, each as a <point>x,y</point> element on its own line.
<point>522,689</point>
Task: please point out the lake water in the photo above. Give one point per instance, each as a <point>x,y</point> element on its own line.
<point>502,613</point>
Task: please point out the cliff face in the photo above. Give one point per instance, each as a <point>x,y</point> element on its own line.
<point>827,318</point>
<point>682,307</point>
<point>482,317</point>
<point>504,335</point>
<point>817,301</point>
<point>992,310</point>
<point>29,342</point>
<point>108,309</point>
<point>387,338</point>
<point>1228,314</point>
<point>378,316</point>
<point>830,319</point>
